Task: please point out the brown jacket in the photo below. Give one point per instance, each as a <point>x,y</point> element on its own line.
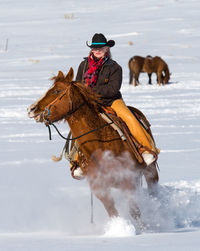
<point>109,80</point>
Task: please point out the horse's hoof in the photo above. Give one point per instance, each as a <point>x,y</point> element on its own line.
<point>139,225</point>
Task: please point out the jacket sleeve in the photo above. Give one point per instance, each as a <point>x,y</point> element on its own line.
<point>112,88</point>
<point>79,74</point>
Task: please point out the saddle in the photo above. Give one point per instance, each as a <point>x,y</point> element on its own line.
<point>119,125</point>
<point>109,115</point>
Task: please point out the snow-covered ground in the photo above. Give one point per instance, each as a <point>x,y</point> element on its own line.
<point>42,207</point>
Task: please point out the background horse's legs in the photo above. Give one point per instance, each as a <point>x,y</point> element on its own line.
<point>130,77</point>
<point>149,75</point>
<point>159,77</point>
<point>136,75</point>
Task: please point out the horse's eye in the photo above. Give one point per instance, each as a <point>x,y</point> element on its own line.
<point>57,91</point>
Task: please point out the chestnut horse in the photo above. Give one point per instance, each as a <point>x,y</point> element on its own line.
<point>138,64</point>
<point>105,159</point>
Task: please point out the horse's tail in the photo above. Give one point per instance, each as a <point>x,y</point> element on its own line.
<point>129,62</point>
<point>167,75</point>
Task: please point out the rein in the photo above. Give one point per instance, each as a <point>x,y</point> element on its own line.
<point>78,137</point>
<point>68,114</point>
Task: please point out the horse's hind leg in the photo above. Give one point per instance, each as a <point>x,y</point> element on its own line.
<point>136,82</point>
<point>130,77</point>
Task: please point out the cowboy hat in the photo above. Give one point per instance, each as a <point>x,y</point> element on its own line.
<point>99,40</point>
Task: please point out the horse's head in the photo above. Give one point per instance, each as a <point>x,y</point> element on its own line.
<point>58,88</point>
<point>166,77</point>
<point>66,104</point>
<point>60,107</point>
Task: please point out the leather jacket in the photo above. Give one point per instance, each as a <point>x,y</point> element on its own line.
<point>109,80</point>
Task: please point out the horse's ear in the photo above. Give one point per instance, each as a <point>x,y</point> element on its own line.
<point>70,75</point>
<point>60,75</point>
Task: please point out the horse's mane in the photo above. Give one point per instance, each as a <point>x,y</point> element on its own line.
<point>90,97</point>
<point>59,78</point>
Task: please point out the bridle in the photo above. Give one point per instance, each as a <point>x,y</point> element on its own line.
<point>46,109</point>
<point>69,113</point>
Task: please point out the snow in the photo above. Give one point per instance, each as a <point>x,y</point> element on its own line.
<point>42,207</point>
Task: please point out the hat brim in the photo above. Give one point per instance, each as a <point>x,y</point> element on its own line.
<point>110,43</point>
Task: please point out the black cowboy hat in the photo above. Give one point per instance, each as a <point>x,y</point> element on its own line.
<point>99,40</point>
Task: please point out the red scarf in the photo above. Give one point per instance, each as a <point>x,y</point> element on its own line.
<point>95,65</point>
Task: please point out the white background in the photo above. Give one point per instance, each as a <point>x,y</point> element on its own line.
<point>41,206</point>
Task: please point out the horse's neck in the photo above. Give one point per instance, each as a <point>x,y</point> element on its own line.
<point>84,120</point>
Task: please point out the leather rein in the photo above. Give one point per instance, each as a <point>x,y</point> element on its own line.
<point>78,137</point>
<point>68,114</point>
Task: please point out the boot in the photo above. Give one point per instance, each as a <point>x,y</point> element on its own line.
<point>148,158</point>
<point>138,132</point>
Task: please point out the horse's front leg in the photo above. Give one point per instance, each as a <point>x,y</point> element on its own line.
<point>108,202</point>
<point>99,184</point>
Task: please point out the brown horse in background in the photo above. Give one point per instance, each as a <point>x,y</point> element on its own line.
<point>78,105</point>
<point>138,64</point>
